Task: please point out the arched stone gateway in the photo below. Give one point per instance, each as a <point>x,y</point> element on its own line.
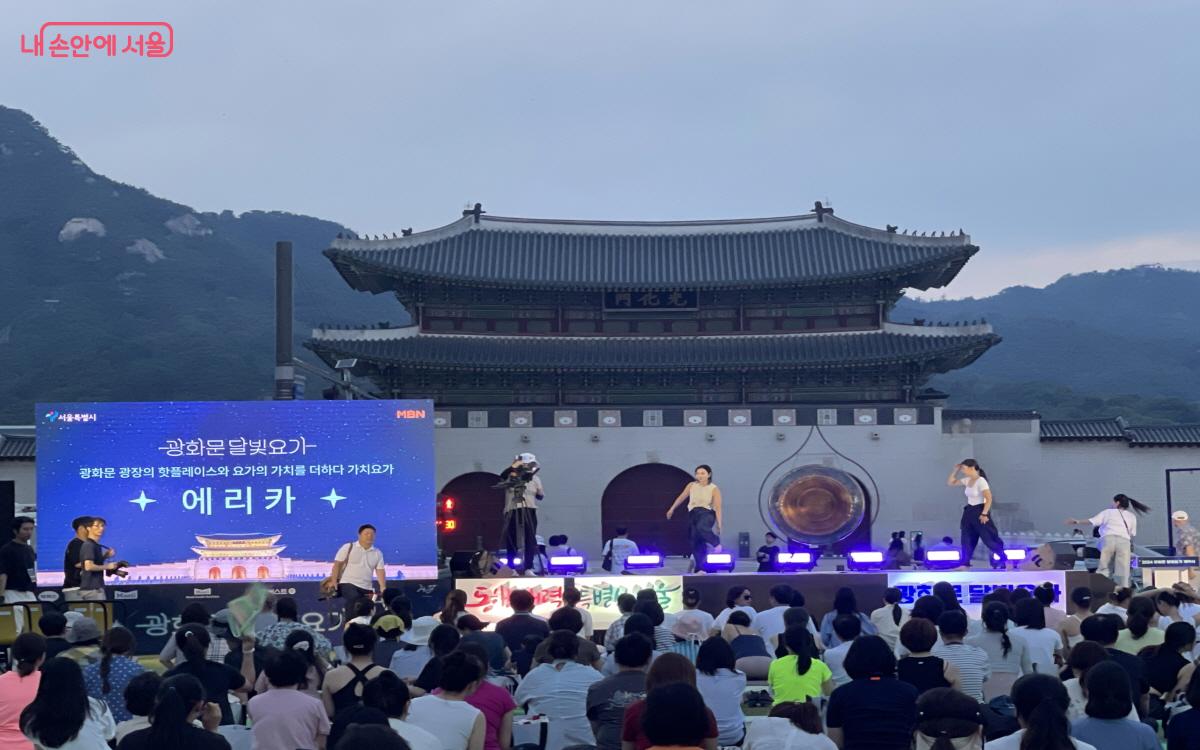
<point>638,499</point>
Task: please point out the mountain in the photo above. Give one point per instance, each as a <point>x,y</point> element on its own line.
<point>1094,344</point>
<point>110,293</point>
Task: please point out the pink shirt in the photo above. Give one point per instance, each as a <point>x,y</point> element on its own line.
<point>16,693</point>
<point>285,719</point>
<point>493,702</point>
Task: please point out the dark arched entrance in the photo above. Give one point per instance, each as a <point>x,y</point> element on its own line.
<point>638,499</point>
<point>478,509</point>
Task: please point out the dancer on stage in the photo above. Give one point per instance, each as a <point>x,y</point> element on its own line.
<point>704,514</point>
<point>1118,527</point>
<point>523,490</point>
<point>976,524</point>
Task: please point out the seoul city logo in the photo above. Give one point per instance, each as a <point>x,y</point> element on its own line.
<point>51,416</point>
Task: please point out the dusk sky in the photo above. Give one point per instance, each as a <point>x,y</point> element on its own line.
<point>1061,135</point>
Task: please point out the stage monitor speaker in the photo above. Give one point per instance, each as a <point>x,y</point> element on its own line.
<point>8,508</point>
<point>1045,557</point>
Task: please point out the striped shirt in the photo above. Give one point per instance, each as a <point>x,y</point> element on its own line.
<point>974,666</point>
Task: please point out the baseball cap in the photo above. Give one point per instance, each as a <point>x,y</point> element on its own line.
<point>528,458</point>
<point>1180,515</point>
<point>84,629</point>
<point>421,628</point>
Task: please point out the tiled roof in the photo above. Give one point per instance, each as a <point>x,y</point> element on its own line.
<point>17,447</point>
<point>1180,434</point>
<point>984,414</point>
<point>1084,429</point>
<point>407,348</point>
<point>517,253</point>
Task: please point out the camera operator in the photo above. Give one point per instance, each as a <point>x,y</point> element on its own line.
<point>522,492</point>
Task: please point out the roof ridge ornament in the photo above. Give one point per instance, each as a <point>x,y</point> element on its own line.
<point>476,211</point>
<point>820,210</point>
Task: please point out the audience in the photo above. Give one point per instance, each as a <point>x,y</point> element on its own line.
<point>947,594</point>
<point>748,647</point>
<point>889,618</point>
<point>442,641</point>
<point>139,701</point>
<point>1080,608</point>
<point>19,686</point>
<point>722,686</point>
<point>689,631</point>
<point>371,737</point>
<point>675,717</point>
<point>608,698</point>
<point>669,669</point>
<point>973,664</point>
<point>413,653</point>
<point>54,628</point>
<point>796,616</point>
<point>300,642</point>
<point>874,709</point>
<point>691,605</point>
<point>454,607</point>
<point>1084,656</point>
<point>288,619</point>
<point>769,622</point>
<point>388,694</point>
<point>616,630</point>
<point>947,720</point>
<point>737,598</point>
<point>496,703</point>
<point>637,624</point>
<point>107,679</point>
<point>473,631</point>
<point>1105,629</point>
<point>559,689</point>
<point>284,718</point>
<point>1110,698</point>
<point>217,678</point>
<point>1009,657</point>
<point>570,620</point>
<point>1044,594</point>
<point>789,726</point>
<point>797,676</point>
<point>62,716</point>
<point>920,668</point>
<point>179,704</point>
<point>846,628</point>
<point>663,639</point>
<point>446,714</point>
<point>1041,704</point>
<point>1170,667</point>
<point>343,686</point>
<point>1184,728</point>
<point>1139,631</point>
<point>83,633</point>
<point>522,622</point>
<point>192,614</point>
<point>571,598</point>
<point>927,608</point>
<point>844,604</point>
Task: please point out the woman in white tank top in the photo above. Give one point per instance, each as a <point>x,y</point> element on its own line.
<point>976,523</point>
<point>704,514</point>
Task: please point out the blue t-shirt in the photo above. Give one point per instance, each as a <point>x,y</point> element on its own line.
<point>121,670</point>
<point>1115,734</point>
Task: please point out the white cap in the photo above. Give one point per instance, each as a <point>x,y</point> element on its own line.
<point>528,458</point>
<point>1180,515</point>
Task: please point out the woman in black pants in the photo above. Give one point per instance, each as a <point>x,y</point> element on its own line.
<point>704,514</point>
<point>977,524</point>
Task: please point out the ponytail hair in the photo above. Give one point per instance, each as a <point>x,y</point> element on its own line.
<point>301,642</point>
<point>893,596</point>
<point>1141,612</point>
<point>1116,596</point>
<point>176,698</point>
<point>799,641</point>
<point>456,604</point>
<point>193,641</point>
<point>116,642</point>
<point>1041,702</point>
<point>995,619</point>
<point>27,649</point>
<point>975,465</point>
<point>1124,501</point>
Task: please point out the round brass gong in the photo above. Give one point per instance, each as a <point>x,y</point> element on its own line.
<point>817,504</point>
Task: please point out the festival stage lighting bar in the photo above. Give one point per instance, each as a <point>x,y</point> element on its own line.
<point>789,561</point>
<point>867,559</point>
<point>716,562</point>
<point>515,561</point>
<point>568,564</point>
<point>941,559</point>
<point>1014,556</point>
<point>649,560</point>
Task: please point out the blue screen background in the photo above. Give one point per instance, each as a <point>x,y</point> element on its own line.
<point>401,505</point>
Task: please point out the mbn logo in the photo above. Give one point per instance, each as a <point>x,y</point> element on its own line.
<point>410,414</point>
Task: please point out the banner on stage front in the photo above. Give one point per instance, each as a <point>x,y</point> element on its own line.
<point>599,595</point>
<point>971,586</point>
<point>238,490</point>
<point>488,598</point>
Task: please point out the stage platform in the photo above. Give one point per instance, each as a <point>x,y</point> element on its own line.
<point>152,611</point>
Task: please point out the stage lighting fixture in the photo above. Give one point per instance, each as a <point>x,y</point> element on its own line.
<point>1014,556</point>
<point>942,559</point>
<point>516,561</point>
<point>868,559</point>
<point>568,564</point>
<point>718,562</point>
<point>792,561</point>
<point>642,562</point>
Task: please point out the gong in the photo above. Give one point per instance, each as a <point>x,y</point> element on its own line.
<point>817,505</point>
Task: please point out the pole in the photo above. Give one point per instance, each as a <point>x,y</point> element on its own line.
<point>285,371</point>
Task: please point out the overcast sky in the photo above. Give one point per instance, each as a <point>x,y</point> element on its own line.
<point>1061,135</point>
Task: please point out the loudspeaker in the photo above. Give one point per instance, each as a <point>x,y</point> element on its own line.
<point>1045,558</point>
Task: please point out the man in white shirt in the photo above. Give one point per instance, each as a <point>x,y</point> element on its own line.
<point>769,622</point>
<point>847,627</point>
<point>621,547</point>
<point>355,564</point>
